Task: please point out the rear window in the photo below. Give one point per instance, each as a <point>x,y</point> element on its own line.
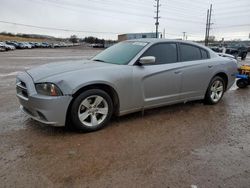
<point>190,52</point>
<point>204,54</point>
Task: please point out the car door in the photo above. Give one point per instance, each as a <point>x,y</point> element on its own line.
<point>197,70</point>
<point>159,83</point>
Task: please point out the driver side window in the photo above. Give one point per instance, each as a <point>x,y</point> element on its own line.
<point>164,53</point>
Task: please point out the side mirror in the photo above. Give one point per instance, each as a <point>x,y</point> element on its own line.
<point>147,60</point>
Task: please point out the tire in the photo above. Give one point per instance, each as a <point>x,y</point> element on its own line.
<point>91,110</point>
<point>243,56</point>
<point>215,91</point>
<point>241,83</point>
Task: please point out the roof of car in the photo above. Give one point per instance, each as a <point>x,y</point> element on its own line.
<point>155,40</point>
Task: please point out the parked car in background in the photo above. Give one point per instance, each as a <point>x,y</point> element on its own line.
<point>127,77</point>
<point>2,46</point>
<point>2,49</point>
<point>55,45</point>
<point>15,44</point>
<point>7,47</point>
<point>238,50</point>
<point>217,49</point>
<point>27,45</point>
<point>97,45</point>
<point>24,45</point>
<point>21,45</point>
<point>11,45</point>
<point>45,45</point>
<point>32,44</point>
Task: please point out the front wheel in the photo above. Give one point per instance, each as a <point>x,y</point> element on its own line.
<point>91,110</point>
<point>215,91</point>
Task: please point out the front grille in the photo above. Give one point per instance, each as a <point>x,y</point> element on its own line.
<point>22,89</point>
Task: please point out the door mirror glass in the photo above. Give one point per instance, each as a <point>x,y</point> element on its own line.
<point>147,60</point>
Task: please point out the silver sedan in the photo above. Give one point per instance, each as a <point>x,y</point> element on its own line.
<point>127,77</point>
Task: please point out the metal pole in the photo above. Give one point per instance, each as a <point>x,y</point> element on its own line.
<point>206,27</point>
<point>157,18</point>
<point>209,23</point>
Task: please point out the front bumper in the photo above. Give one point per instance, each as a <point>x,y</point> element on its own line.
<point>45,109</point>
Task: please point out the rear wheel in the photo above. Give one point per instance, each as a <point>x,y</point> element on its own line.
<point>91,110</point>
<point>215,90</point>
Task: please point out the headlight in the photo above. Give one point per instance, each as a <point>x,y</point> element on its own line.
<point>48,89</point>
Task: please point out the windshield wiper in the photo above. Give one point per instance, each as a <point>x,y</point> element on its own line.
<point>99,60</point>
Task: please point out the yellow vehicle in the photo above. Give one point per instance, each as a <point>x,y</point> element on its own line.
<point>244,76</point>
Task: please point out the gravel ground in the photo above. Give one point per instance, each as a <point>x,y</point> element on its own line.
<point>184,145</point>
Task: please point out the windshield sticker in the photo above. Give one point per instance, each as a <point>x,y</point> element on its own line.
<point>140,43</point>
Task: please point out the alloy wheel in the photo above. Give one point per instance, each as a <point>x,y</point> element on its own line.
<point>93,110</point>
<point>216,91</point>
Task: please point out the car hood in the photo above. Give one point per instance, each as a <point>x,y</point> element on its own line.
<point>55,69</point>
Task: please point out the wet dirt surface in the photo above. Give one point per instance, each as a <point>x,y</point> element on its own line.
<point>175,146</point>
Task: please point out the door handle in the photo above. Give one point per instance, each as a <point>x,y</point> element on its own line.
<point>210,66</point>
<point>177,72</point>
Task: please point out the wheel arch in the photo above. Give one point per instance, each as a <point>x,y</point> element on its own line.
<point>105,87</point>
<point>224,76</point>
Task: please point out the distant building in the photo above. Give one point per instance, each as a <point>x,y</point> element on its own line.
<point>129,36</point>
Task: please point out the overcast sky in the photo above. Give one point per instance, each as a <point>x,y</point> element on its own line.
<point>107,18</point>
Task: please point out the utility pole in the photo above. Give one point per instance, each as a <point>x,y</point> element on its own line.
<point>206,27</point>
<point>184,35</point>
<point>208,24</point>
<point>157,18</point>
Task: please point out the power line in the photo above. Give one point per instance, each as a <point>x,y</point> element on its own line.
<point>89,7</point>
<point>231,12</point>
<point>57,29</point>
<point>134,5</point>
<point>182,20</point>
<point>80,7</point>
<point>74,10</point>
<point>109,10</point>
<point>229,26</point>
<point>230,2</point>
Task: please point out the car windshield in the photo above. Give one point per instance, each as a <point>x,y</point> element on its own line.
<point>121,53</point>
